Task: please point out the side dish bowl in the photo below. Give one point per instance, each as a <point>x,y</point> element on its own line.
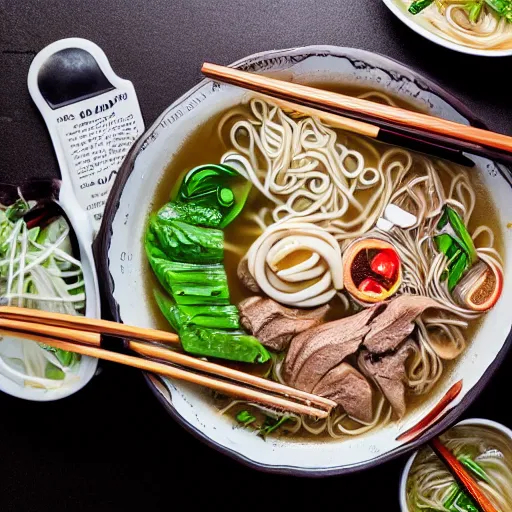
<point>121,259</point>
<point>415,23</point>
<point>47,192</point>
<point>504,432</point>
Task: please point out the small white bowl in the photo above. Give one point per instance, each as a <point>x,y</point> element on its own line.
<point>472,421</point>
<point>409,20</point>
<point>82,229</point>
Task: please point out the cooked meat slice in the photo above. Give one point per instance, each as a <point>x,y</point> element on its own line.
<point>275,325</point>
<point>246,277</point>
<point>314,352</point>
<point>392,326</point>
<point>347,387</point>
<point>389,374</point>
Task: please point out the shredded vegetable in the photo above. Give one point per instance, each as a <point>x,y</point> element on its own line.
<point>39,271</point>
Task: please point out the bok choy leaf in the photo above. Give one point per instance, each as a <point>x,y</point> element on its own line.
<point>187,243</point>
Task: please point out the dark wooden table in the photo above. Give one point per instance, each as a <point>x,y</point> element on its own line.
<point>111,446</point>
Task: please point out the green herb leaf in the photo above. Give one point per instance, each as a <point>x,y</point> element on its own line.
<point>458,501</point>
<point>271,424</point>
<point>464,238</point>
<point>474,10</point>
<point>54,372</point>
<point>474,467</point>
<point>457,270</point>
<point>245,418</point>
<point>502,7</point>
<point>419,5</point>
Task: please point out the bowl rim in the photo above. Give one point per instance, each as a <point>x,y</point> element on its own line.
<point>402,494</point>
<point>102,244</point>
<point>422,31</point>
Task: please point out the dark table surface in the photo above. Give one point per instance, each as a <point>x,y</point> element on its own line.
<point>111,446</point>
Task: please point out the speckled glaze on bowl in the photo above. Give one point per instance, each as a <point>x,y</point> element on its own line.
<point>477,422</point>
<point>119,254</point>
<point>396,7</point>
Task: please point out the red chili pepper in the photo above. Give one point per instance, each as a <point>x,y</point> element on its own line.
<point>370,285</point>
<point>385,263</point>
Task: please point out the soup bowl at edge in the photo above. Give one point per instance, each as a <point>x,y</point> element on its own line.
<point>472,422</point>
<point>120,256</point>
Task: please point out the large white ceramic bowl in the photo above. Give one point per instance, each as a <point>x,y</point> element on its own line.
<point>477,422</point>
<point>121,259</point>
<point>415,23</point>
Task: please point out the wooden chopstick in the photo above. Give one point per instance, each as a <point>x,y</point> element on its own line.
<point>334,120</point>
<point>461,475</point>
<point>86,324</point>
<point>221,386</point>
<point>340,103</point>
<point>89,338</point>
<point>38,324</point>
<point>223,371</point>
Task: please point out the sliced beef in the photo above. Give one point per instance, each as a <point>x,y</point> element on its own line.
<point>275,325</point>
<point>396,322</point>
<point>389,374</point>
<point>347,387</point>
<point>316,351</point>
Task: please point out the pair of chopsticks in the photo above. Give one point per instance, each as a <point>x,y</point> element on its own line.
<point>462,476</point>
<point>84,336</point>
<point>393,125</point>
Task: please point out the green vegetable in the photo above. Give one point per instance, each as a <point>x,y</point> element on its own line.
<point>502,7</point>
<point>219,317</point>
<point>456,271</point>
<point>17,210</point>
<point>50,272</point>
<point>189,283</point>
<point>54,372</point>
<point>245,418</point>
<point>474,467</point>
<point>458,501</point>
<point>452,224</point>
<point>447,245</point>
<point>187,243</point>
<point>419,5</point>
<point>474,10</point>
<point>217,187</point>
<point>271,424</point>
<point>196,214</point>
<point>231,345</point>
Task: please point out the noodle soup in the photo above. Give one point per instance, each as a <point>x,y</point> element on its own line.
<point>168,166</point>
<point>480,25</point>
<point>315,180</point>
<point>483,447</point>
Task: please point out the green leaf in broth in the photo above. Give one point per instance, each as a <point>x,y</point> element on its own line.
<point>474,467</point>
<point>196,214</point>
<point>187,243</point>
<point>230,345</point>
<point>502,7</point>
<point>216,186</point>
<point>419,5</point>
<point>54,372</point>
<point>456,271</point>
<point>245,418</point>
